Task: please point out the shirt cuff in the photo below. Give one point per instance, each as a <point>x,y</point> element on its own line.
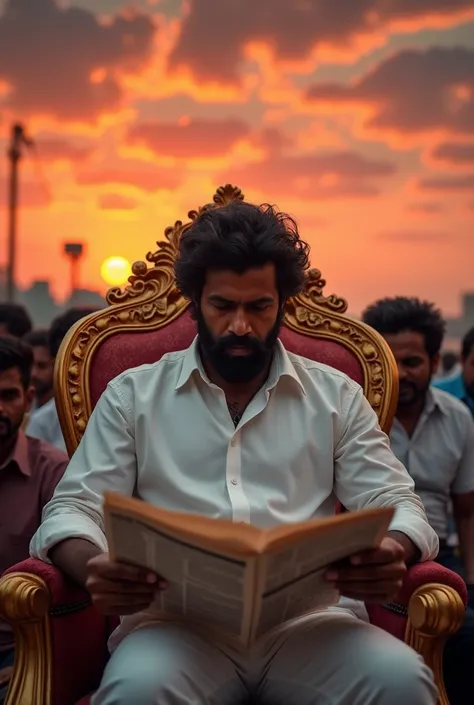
<point>419,531</point>
<point>65,526</point>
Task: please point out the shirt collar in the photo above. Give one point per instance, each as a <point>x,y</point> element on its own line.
<point>20,455</point>
<point>281,367</point>
<point>434,400</point>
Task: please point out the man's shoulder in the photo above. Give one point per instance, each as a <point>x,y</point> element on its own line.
<point>44,412</point>
<point>316,373</point>
<point>167,367</point>
<point>45,455</point>
<point>456,411</point>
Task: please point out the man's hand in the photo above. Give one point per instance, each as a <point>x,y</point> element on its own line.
<point>5,675</point>
<point>120,589</point>
<point>372,576</point>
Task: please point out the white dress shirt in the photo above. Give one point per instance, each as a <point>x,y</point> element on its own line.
<point>163,432</point>
<point>439,455</point>
<point>44,424</point>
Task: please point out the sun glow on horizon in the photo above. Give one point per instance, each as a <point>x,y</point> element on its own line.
<point>115,270</point>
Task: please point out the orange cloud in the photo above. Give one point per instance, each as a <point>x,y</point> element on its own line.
<point>428,208</point>
<point>115,201</point>
<point>140,174</point>
<point>217,38</point>
<point>446,183</point>
<point>189,138</point>
<point>53,150</point>
<point>312,176</point>
<point>411,92</point>
<point>454,153</point>
<point>64,63</point>
<point>31,195</point>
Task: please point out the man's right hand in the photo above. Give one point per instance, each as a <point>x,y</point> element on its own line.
<point>120,589</point>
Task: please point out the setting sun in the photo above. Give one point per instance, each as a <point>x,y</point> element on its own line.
<point>115,270</point>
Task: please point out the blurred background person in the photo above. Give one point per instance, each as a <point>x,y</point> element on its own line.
<point>44,423</point>
<point>43,366</point>
<point>14,320</point>
<point>433,436</point>
<point>29,472</point>
<point>461,385</point>
<point>449,364</point>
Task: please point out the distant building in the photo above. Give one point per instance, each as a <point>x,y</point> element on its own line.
<point>456,328</point>
<point>41,304</point>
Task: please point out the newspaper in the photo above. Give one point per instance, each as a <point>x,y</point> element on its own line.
<point>237,579</point>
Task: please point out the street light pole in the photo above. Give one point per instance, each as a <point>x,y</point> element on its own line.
<point>18,139</point>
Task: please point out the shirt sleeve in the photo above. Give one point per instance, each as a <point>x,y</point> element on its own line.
<point>464,480</point>
<point>104,461</point>
<point>367,474</point>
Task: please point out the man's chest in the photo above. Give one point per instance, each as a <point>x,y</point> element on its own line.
<point>431,456</point>
<point>20,516</point>
<point>275,462</point>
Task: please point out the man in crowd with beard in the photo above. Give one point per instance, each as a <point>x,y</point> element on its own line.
<point>43,366</point>
<point>461,385</point>
<point>236,427</point>
<point>29,472</point>
<point>433,436</point>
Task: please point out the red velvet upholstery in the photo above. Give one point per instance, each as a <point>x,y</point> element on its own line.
<point>120,352</point>
<point>79,633</point>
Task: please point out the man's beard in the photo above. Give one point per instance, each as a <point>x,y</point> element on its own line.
<point>41,388</point>
<point>7,429</point>
<point>235,369</point>
<point>410,394</point>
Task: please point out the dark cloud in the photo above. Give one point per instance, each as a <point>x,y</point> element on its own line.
<point>411,236</point>
<point>447,183</point>
<point>215,35</point>
<point>52,150</point>
<point>196,138</point>
<point>115,201</point>
<point>413,91</point>
<point>312,176</point>
<point>142,175</point>
<point>454,153</point>
<point>430,208</point>
<point>48,56</point>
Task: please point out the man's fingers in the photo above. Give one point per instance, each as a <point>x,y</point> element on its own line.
<point>384,554</point>
<point>124,587</point>
<point>390,571</point>
<point>122,571</point>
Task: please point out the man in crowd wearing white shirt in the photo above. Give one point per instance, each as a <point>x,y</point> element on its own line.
<point>433,436</point>
<point>236,427</point>
<point>44,421</point>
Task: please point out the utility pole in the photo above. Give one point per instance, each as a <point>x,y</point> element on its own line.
<point>18,138</point>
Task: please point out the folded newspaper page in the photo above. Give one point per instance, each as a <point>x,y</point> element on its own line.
<point>237,579</point>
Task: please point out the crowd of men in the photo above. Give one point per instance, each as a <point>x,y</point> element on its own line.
<point>432,436</point>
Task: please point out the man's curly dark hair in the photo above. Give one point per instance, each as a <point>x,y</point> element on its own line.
<point>238,237</point>
<point>402,313</point>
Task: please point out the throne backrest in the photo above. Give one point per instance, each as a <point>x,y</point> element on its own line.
<point>149,318</point>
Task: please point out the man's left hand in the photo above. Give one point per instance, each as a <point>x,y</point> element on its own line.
<point>371,576</point>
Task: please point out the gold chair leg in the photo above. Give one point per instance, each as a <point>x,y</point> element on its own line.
<point>24,604</point>
<point>435,612</point>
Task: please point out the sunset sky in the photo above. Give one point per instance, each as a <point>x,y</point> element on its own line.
<point>355,116</point>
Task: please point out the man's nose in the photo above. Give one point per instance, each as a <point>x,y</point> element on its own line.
<point>240,325</point>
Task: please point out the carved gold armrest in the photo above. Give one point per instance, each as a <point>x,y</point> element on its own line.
<point>435,612</point>
<point>24,604</point>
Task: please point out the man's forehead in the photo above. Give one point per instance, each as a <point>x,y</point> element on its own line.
<point>260,281</point>
<point>406,343</point>
<point>10,377</point>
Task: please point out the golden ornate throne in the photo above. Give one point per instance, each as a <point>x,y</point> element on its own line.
<point>60,638</point>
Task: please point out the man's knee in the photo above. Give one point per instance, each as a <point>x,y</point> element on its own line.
<point>401,676</point>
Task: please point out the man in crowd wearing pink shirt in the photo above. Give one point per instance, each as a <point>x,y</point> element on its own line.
<point>29,472</point>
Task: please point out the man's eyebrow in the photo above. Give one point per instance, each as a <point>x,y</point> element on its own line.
<point>222,299</point>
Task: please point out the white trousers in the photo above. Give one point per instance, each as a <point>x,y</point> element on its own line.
<point>335,659</point>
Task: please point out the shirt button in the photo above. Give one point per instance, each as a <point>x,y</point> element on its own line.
<point>233,442</point>
<point>234,481</point>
